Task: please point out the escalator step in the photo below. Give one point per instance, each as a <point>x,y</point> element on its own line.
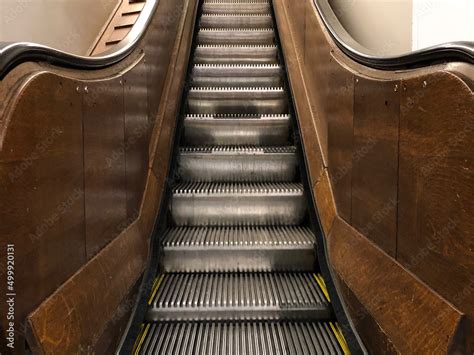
<point>226,36</point>
<point>237,163</point>
<point>238,296</point>
<point>235,338</point>
<point>235,54</point>
<point>236,21</point>
<point>237,75</point>
<point>261,130</point>
<point>235,7</point>
<point>277,248</point>
<point>224,204</point>
<point>237,100</point>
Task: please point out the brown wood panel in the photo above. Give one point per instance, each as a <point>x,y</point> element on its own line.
<point>375,161</point>
<point>436,224</point>
<point>104,162</point>
<point>294,67</point>
<point>340,117</point>
<point>41,193</point>
<point>69,321</point>
<point>296,13</point>
<point>316,73</point>
<point>325,202</point>
<point>162,37</point>
<point>137,135</point>
<point>415,319</point>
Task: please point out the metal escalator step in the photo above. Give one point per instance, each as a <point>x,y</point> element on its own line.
<point>223,204</point>
<point>236,130</point>
<point>277,248</point>
<point>228,36</point>
<point>237,1</point>
<point>237,163</point>
<point>237,100</point>
<point>236,21</point>
<point>235,54</point>
<point>238,296</point>
<point>237,75</point>
<point>236,7</point>
<point>236,338</point>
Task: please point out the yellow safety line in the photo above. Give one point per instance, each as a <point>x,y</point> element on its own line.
<point>340,338</point>
<point>322,285</point>
<point>155,287</point>
<point>143,333</point>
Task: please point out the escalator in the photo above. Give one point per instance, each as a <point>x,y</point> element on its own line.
<point>237,270</point>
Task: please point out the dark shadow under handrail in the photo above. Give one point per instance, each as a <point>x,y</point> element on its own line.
<point>13,54</point>
<point>462,51</point>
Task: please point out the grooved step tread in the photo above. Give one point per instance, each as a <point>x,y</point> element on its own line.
<point>236,116</point>
<point>211,188</point>
<point>235,338</point>
<point>274,236</point>
<point>228,294</point>
<point>237,150</point>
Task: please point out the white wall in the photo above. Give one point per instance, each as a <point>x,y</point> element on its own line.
<point>440,21</point>
<point>383,26</point>
<point>70,25</point>
<point>390,27</point>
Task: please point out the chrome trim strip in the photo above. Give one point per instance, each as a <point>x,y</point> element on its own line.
<point>12,54</point>
<point>452,51</point>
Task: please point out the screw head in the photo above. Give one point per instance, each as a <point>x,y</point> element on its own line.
<point>86,89</point>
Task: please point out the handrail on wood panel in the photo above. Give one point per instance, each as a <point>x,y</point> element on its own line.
<point>462,51</point>
<point>13,54</point>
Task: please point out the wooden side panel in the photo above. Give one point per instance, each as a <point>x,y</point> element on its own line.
<point>67,322</point>
<point>436,221</point>
<point>340,117</point>
<point>137,133</point>
<point>41,195</point>
<point>316,69</point>
<point>104,163</point>
<point>415,319</point>
<point>294,65</point>
<point>325,202</point>
<point>296,12</point>
<point>375,161</point>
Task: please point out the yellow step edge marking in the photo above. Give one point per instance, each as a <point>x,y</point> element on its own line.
<point>340,337</point>
<point>155,287</point>
<point>322,285</point>
<point>143,333</point>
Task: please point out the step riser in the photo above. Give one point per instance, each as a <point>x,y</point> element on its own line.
<point>228,168</point>
<point>238,209</point>
<point>209,259</point>
<point>224,21</point>
<point>233,71</point>
<point>238,296</point>
<point>236,37</point>
<point>229,106</point>
<point>236,132</point>
<point>236,8</point>
<point>178,314</point>
<point>236,55</point>
<point>270,81</point>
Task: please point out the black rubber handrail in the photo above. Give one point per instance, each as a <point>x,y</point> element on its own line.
<point>13,54</point>
<point>446,52</point>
